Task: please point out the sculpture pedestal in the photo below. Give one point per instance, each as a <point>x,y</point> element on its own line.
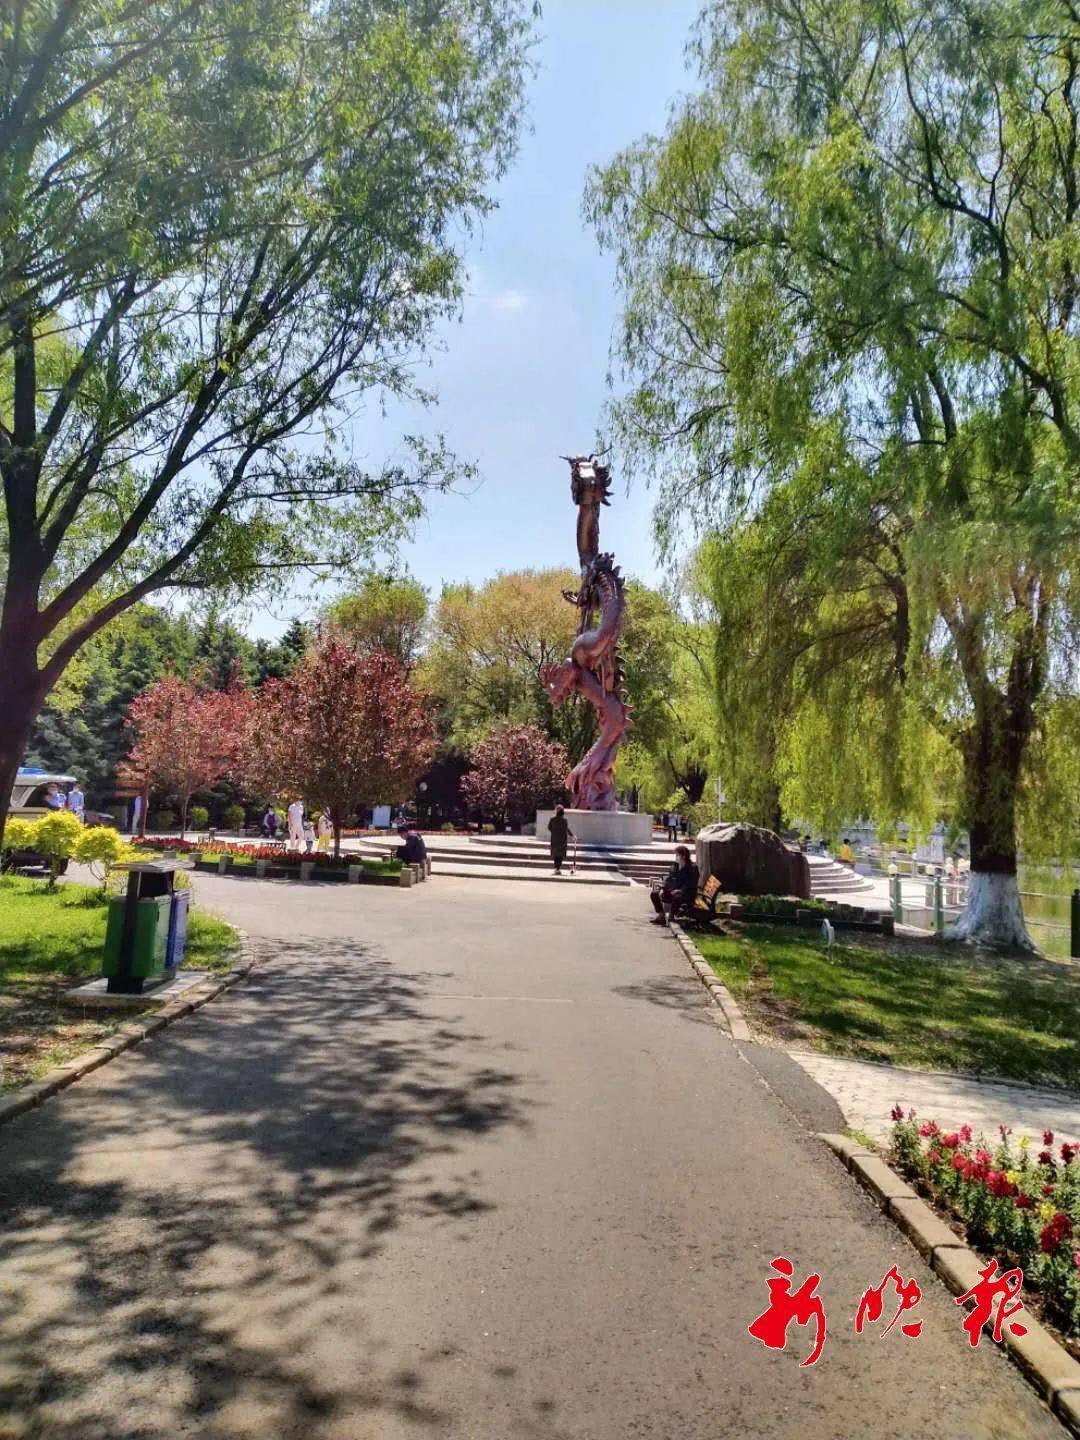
<point>615,829</point>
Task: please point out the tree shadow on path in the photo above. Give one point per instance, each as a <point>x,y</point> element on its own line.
<point>193,1236</point>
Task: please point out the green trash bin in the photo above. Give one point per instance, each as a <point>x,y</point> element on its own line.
<point>150,940</point>
<point>137,935</point>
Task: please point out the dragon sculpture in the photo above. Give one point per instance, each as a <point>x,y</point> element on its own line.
<point>593,668</point>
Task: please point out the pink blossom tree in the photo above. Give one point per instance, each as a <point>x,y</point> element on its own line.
<point>186,738</point>
<point>516,770</point>
<point>343,730</point>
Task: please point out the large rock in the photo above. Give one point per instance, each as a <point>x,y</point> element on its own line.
<point>748,860</point>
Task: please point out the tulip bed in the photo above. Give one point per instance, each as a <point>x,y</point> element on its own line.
<point>242,858</point>
<point>1020,1206</point>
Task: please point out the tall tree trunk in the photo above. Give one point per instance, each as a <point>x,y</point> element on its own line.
<point>22,701</point>
<point>993,751</point>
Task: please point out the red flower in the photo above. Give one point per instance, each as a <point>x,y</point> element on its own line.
<point>965,1134</point>
<point>952,1140</point>
<point>1048,1189</point>
<point>1048,1137</point>
<point>959,1162</point>
<point>997,1184</point>
<point>1069,1153</point>
<point>1024,1202</point>
<point>1054,1232</point>
<point>896,1114</point>
<point>1045,1158</point>
<point>935,1156</point>
<point>929,1127</point>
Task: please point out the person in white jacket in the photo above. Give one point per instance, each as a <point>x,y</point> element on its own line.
<point>295,820</point>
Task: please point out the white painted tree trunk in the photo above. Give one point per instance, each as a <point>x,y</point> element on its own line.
<point>993,915</point>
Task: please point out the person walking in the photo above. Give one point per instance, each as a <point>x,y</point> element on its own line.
<point>76,801</point>
<point>326,834</point>
<point>559,833</point>
<point>294,817</point>
<point>672,821</point>
<point>309,835</point>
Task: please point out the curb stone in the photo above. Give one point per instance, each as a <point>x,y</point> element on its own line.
<point>717,991</point>
<point>132,1034</point>
<point>1045,1363</point>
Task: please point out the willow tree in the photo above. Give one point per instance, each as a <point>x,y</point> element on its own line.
<point>850,270</point>
<point>222,223</point>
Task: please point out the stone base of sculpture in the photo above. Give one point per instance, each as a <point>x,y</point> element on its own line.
<point>615,829</point>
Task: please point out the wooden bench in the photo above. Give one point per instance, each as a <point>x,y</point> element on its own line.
<point>703,911</point>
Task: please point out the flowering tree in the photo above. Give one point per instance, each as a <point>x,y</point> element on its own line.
<point>343,730</point>
<point>186,738</point>
<point>516,769</point>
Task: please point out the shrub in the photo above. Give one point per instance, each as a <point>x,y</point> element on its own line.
<point>101,847</point>
<point>234,817</point>
<point>198,817</point>
<point>56,836</point>
<point>782,905</point>
<point>18,834</point>
<point>163,819</point>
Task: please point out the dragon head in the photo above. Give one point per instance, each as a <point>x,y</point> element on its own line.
<point>558,680</point>
<point>590,482</point>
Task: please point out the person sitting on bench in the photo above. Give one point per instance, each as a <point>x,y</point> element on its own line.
<point>679,890</point>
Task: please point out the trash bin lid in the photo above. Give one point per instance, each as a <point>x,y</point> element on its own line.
<point>154,867</point>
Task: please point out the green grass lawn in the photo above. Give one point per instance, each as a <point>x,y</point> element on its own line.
<point>49,942</point>
<point>906,1002</point>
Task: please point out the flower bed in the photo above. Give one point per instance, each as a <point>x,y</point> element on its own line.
<point>788,910</point>
<point>1024,1209</point>
<point>782,906</point>
<point>281,864</point>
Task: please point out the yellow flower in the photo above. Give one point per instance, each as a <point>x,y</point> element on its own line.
<point>1045,1211</point>
<point>1025,1142</point>
<point>1013,1177</point>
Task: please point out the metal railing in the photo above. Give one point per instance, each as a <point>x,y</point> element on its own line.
<point>946,898</point>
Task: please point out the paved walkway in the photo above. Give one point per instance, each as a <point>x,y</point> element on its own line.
<point>468,1161</point>
<point>867,1092</point>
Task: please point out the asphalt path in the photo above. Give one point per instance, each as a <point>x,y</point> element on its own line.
<point>472,1160</point>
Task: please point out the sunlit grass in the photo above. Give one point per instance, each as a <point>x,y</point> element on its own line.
<point>908,1004</point>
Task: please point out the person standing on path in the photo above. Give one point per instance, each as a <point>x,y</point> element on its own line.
<point>295,818</point>
<point>559,832</point>
<point>326,834</point>
<point>76,801</point>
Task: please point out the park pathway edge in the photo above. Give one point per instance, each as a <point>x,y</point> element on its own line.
<point>127,1037</point>
<point>1044,1362</point>
<point>718,992</point>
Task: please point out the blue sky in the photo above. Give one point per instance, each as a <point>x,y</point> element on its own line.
<point>522,376</point>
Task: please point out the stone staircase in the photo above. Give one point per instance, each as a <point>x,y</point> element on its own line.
<point>525,857</point>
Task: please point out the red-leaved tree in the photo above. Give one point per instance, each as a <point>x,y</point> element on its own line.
<point>186,739</point>
<point>343,730</point>
<point>516,770</point>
